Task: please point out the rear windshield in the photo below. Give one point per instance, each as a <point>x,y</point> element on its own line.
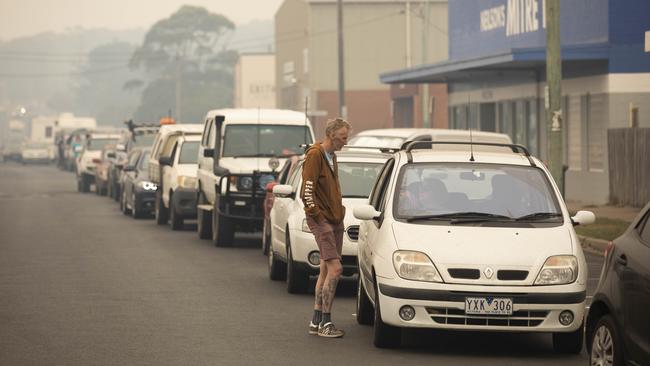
<point>189,153</point>
<point>98,144</point>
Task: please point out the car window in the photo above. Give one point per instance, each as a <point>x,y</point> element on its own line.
<point>144,161</point>
<point>645,230</point>
<point>446,188</point>
<point>266,139</point>
<point>380,184</point>
<point>133,158</point>
<point>212,136</point>
<point>168,146</point>
<point>189,152</point>
<point>357,179</point>
<point>206,132</point>
<point>98,144</point>
<point>295,176</point>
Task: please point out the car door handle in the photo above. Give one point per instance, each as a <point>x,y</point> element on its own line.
<point>622,260</point>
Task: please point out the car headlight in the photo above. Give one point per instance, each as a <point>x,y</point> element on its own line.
<point>558,270</point>
<point>415,266</point>
<point>148,186</point>
<point>244,183</point>
<point>186,182</point>
<point>305,227</point>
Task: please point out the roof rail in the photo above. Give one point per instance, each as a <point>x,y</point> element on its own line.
<point>519,149</point>
<point>385,150</point>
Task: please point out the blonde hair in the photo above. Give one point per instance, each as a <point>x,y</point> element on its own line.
<point>336,124</point>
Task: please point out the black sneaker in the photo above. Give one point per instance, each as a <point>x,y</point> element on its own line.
<point>329,330</point>
<point>313,328</point>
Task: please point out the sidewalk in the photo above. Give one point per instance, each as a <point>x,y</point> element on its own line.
<point>626,213</point>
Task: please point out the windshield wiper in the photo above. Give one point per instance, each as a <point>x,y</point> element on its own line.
<point>461,217</point>
<point>539,216</point>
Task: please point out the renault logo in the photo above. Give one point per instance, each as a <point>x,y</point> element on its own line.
<point>488,272</point>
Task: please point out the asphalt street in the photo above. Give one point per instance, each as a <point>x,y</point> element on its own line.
<point>82,284</point>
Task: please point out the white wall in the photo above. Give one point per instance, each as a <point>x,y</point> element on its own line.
<point>255,81</point>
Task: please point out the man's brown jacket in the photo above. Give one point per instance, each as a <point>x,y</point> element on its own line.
<point>321,190</point>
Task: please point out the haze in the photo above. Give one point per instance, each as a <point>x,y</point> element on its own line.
<point>28,17</point>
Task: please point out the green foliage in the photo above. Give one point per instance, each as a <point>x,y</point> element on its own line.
<point>185,51</point>
<point>603,228</point>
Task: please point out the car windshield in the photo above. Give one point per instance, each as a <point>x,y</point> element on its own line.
<point>475,190</point>
<point>377,141</point>
<point>144,140</point>
<point>98,144</point>
<point>264,140</point>
<point>189,152</point>
<point>357,179</point>
<point>144,160</point>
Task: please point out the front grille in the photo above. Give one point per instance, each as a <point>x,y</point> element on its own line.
<point>349,260</point>
<point>511,275</point>
<point>465,273</point>
<point>521,318</point>
<point>353,232</point>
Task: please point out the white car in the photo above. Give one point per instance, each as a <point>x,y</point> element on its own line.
<point>90,156</point>
<point>179,180</point>
<point>293,251</point>
<point>35,152</point>
<point>476,240</point>
<point>396,137</point>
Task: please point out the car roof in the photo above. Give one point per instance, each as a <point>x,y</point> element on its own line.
<point>459,156</point>
<point>183,127</point>
<point>438,134</point>
<point>253,115</point>
<point>191,137</point>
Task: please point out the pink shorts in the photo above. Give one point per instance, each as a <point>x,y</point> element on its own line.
<point>329,238</point>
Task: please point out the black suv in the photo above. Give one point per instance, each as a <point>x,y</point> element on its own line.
<point>618,323</point>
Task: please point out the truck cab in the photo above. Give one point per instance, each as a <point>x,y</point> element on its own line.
<point>239,154</point>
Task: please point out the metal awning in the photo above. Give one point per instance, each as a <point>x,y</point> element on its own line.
<point>517,60</point>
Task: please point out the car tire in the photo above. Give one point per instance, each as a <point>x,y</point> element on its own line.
<point>277,268</point>
<point>365,311</point>
<point>85,185</point>
<point>605,343</point>
<point>569,343</point>
<point>136,212</point>
<point>175,220</point>
<point>223,233</point>
<point>162,214</point>
<point>297,279</point>
<point>204,220</point>
<point>385,336</point>
<point>266,237</point>
<point>125,207</point>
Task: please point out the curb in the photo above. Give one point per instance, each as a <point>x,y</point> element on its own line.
<point>592,244</point>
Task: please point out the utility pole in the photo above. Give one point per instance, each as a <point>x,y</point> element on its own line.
<point>426,116</point>
<point>339,12</point>
<point>408,33</point>
<point>553,93</point>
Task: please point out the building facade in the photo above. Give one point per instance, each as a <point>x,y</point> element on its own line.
<point>255,81</point>
<point>496,78</point>
<point>378,37</point>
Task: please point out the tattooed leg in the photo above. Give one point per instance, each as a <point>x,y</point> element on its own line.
<point>334,271</point>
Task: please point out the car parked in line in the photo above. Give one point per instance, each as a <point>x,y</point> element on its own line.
<point>396,137</point>
<point>476,240</point>
<point>618,322</point>
<point>293,253</point>
<point>137,135</point>
<point>138,191</point>
<point>90,156</point>
<point>102,167</point>
<point>282,177</point>
<point>178,183</point>
<point>240,152</point>
<point>162,147</point>
<point>35,153</point>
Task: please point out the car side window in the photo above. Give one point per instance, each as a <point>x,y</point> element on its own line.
<point>213,134</point>
<point>383,194</point>
<point>375,197</point>
<point>206,132</point>
<point>175,149</point>
<point>133,159</point>
<point>296,176</point>
<point>644,233</point>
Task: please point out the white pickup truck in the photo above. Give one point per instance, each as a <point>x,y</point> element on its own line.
<point>163,146</point>
<point>179,180</point>
<point>239,154</point>
<point>89,157</point>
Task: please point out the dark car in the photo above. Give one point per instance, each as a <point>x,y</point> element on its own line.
<point>136,136</point>
<point>618,323</point>
<point>138,193</point>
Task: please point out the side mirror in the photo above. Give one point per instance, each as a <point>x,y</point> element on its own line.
<point>208,153</point>
<point>366,212</point>
<point>129,168</point>
<point>282,190</point>
<point>165,160</point>
<point>583,218</point>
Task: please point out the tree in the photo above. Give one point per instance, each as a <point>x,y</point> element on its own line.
<point>186,53</point>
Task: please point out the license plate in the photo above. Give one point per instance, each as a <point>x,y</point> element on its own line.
<point>488,305</point>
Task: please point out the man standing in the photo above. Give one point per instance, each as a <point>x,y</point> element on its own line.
<point>321,194</point>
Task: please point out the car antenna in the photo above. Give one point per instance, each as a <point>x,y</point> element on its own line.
<point>469,124</point>
<point>306,109</point>
<point>258,137</point>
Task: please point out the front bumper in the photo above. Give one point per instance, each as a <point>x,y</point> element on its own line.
<point>185,202</point>
<point>145,200</point>
<point>535,308</point>
<point>304,243</point>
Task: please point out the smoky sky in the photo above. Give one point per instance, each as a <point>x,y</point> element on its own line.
<point>20,18</point>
